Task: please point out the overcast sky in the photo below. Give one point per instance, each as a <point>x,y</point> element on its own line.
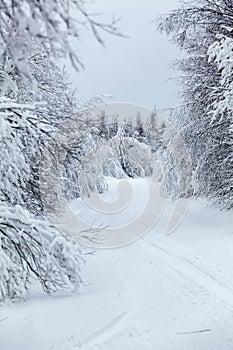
<point>132,70</point>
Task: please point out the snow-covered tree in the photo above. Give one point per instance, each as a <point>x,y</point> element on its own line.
<point>29,246</point>
<point>51,24</point>
<point>15,124</point>
<point>203,29</point>
<point>35,101</point>
<point>134,156</point>
<point>219,158</point>
<point>221,52</point>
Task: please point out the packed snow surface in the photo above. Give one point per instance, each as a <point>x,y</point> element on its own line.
<point>163,292</point>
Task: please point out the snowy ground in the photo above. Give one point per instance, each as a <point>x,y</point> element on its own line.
<point>162,292</point>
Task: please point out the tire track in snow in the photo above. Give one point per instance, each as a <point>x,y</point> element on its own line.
<point>99,335</point>
<point>195,276</point>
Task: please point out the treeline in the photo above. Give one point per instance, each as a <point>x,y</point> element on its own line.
<point>127,148</point>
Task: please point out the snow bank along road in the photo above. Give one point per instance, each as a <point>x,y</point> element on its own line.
<point>162,292</point>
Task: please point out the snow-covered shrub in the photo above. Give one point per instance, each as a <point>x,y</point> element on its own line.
<point>32,248</point>
<point>135,157</point>
<point>79,148</point>
<point>113,168</point>
<point>214,175</point>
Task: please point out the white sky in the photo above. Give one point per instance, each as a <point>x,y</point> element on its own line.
<point>133,70</point>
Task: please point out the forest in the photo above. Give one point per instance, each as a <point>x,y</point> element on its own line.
<point>55,150</point>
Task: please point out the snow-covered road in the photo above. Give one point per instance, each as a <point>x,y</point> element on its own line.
<point>162,292</point>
